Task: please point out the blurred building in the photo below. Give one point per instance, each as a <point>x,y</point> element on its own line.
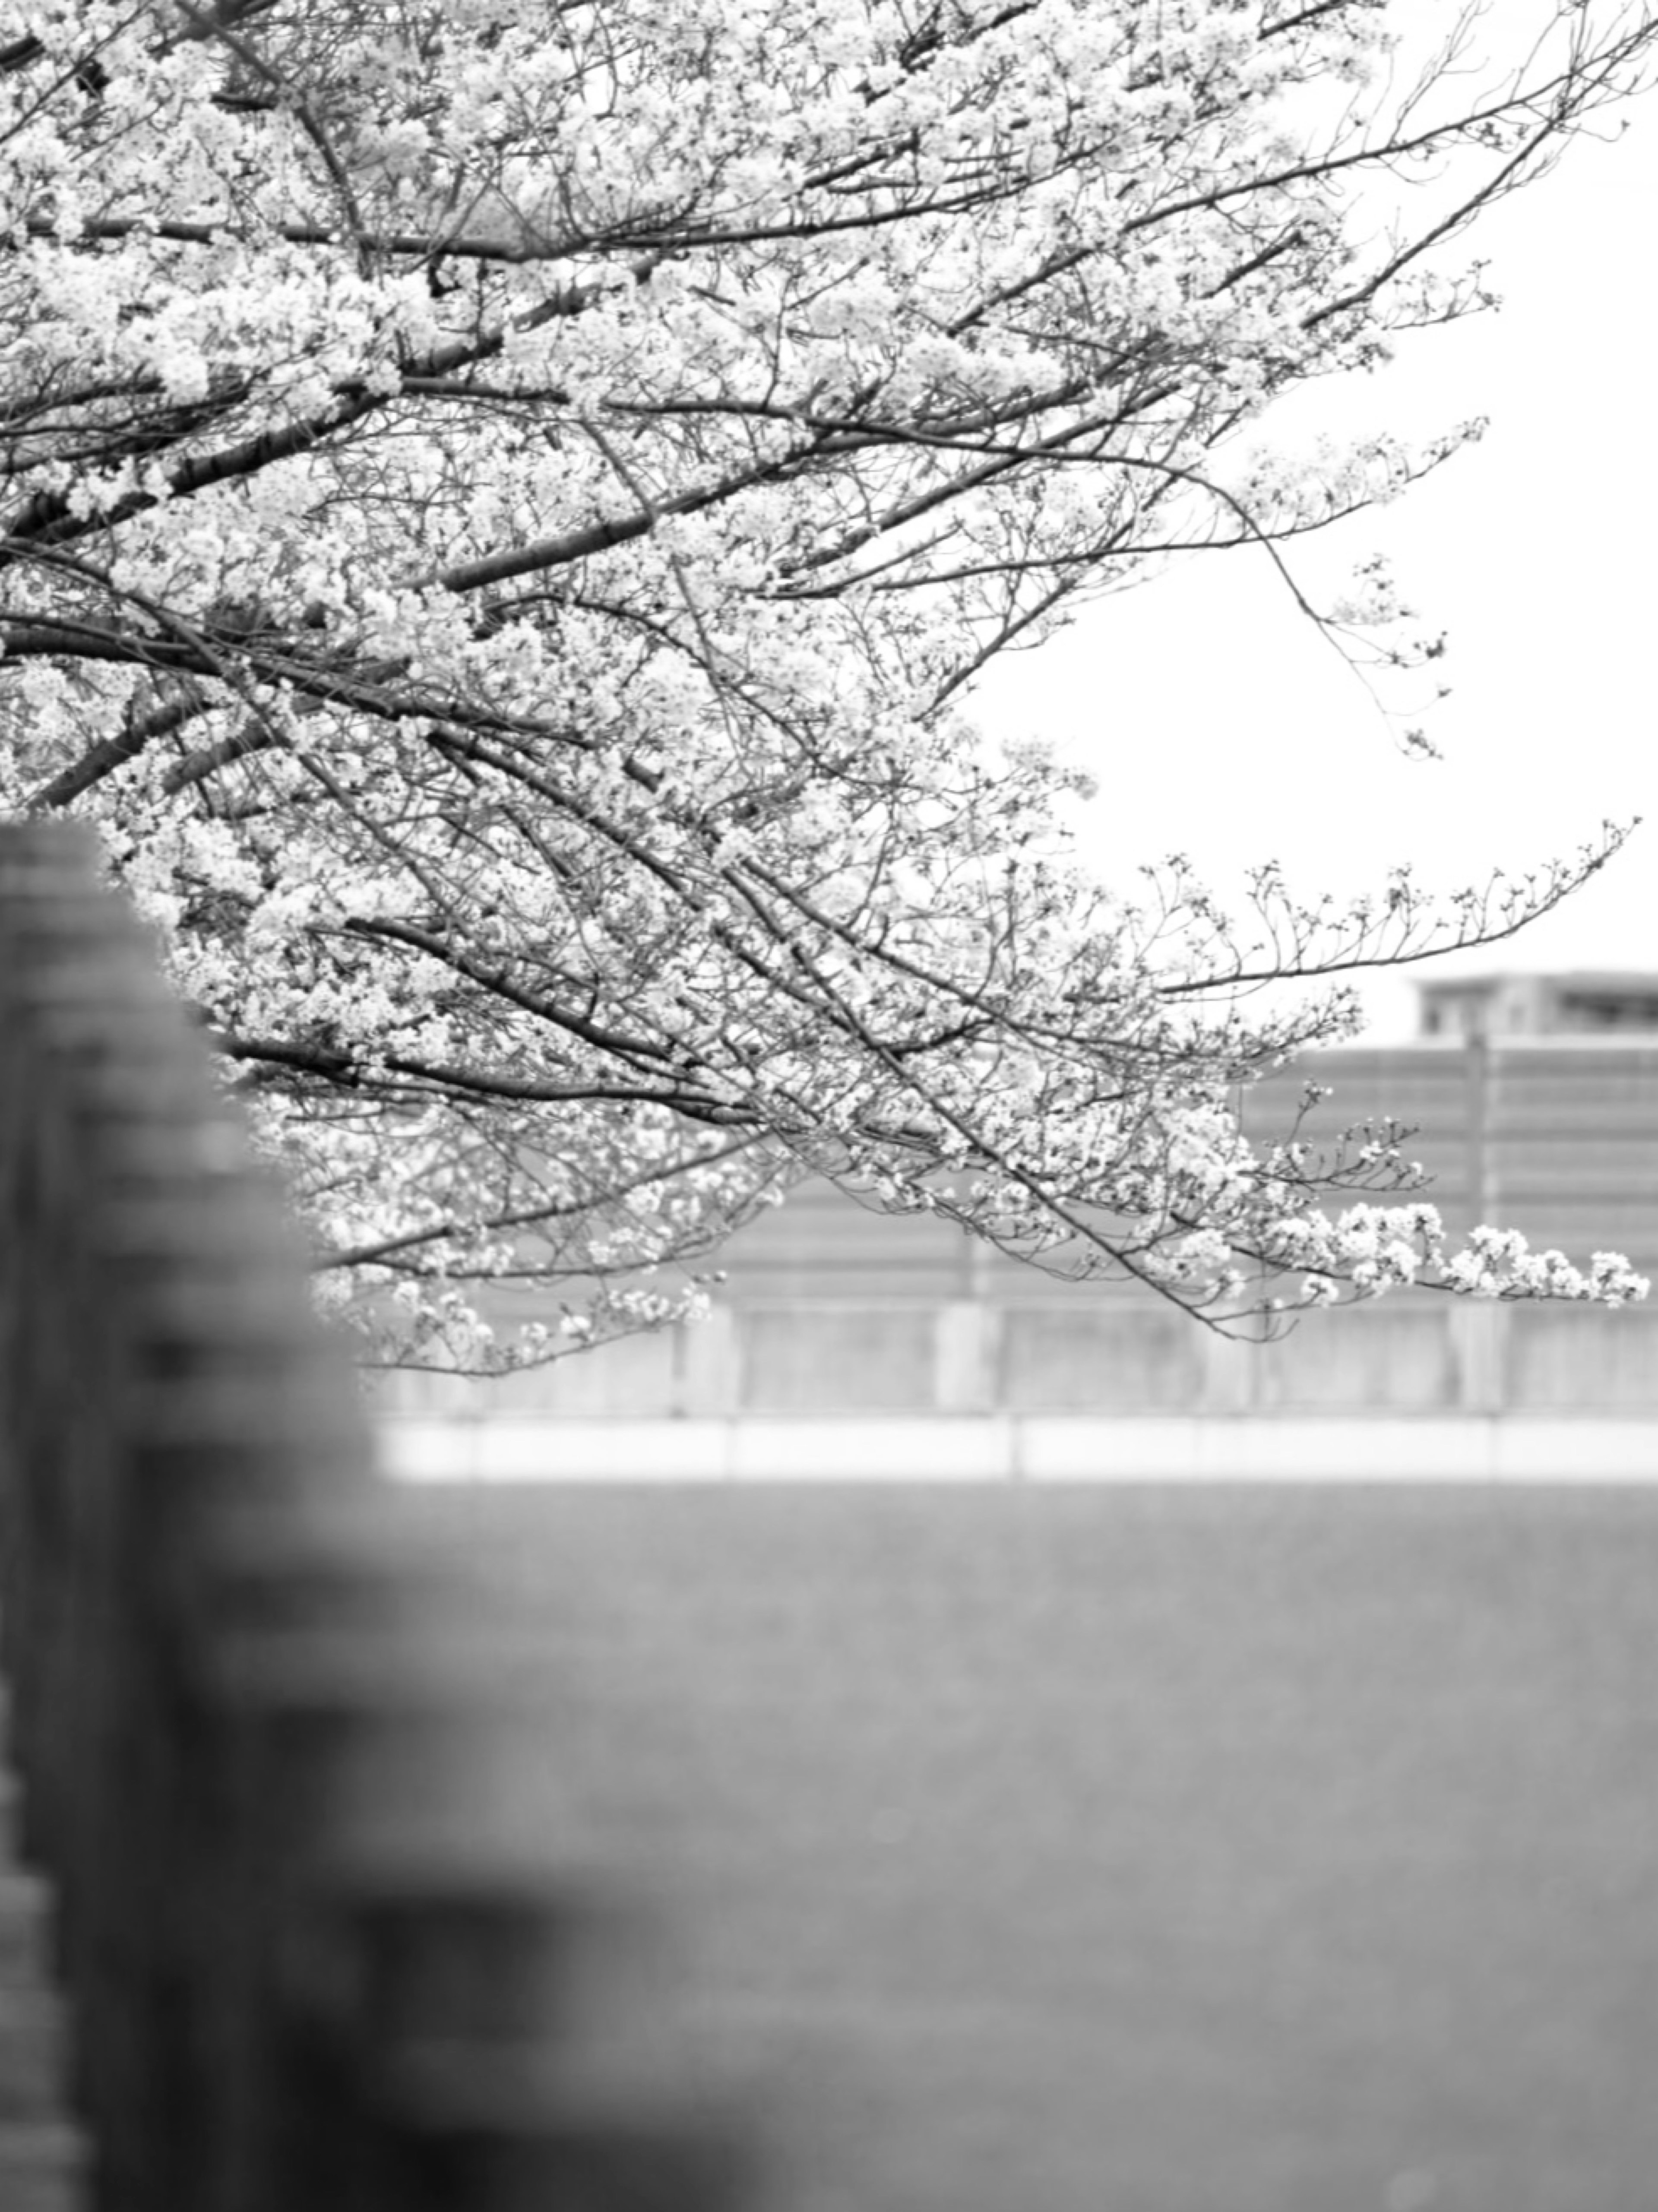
<point>1594,1002</point>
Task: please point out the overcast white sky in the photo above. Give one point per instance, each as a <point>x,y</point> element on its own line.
<point>1220,725</point>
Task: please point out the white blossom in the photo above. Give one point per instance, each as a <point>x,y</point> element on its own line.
<point>503,509</point>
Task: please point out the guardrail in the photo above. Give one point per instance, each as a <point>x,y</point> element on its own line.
<point>827,1360</point>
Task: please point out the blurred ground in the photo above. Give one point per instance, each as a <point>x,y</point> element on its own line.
<point>1175,1849</point>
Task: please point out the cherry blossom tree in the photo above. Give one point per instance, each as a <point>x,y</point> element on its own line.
<point>506,502</point>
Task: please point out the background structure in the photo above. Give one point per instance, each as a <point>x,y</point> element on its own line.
<point>832,1317</point>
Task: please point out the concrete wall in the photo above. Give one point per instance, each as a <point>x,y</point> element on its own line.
<point>832,1312</point>
<point>829,1360</point>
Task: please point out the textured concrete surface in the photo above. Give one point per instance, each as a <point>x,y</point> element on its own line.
<point>1182,1849</point>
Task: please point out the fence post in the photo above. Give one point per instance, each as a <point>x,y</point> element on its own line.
<point>1478,1077</point>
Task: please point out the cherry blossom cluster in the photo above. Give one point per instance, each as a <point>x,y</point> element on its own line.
<point>1372,1249</point>
<point>504,507</point>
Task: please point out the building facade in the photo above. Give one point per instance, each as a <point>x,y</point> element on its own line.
<point>1595,1002</point>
